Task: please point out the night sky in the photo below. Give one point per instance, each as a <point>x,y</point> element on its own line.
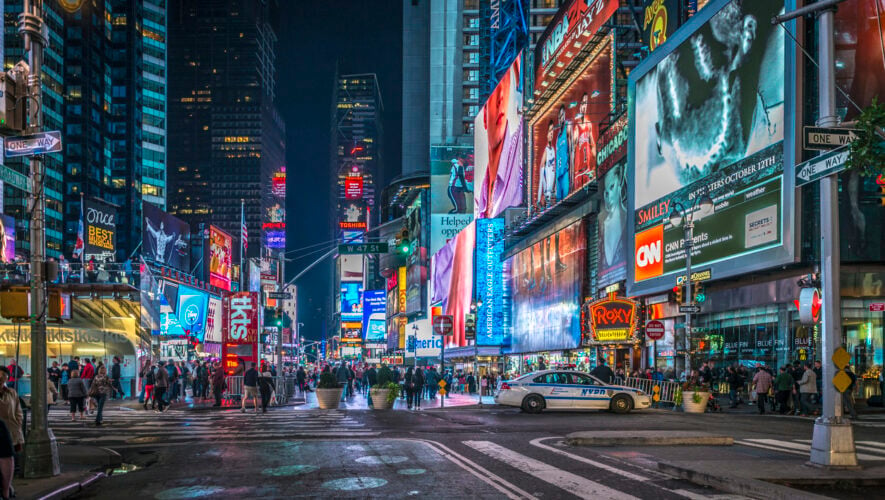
<point>363,37</point>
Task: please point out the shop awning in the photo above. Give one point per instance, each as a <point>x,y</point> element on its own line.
<point>468,352</point>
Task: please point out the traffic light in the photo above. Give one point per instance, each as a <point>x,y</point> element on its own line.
<point>278,320</point>
<point>469,326</point>
<point>880,182</point>
<point>403,245</point>
<point>677,294</point>
<point>14,97</point>
<point>697,293</point>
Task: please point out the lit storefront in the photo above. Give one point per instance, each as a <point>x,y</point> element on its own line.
<point>609,326</point>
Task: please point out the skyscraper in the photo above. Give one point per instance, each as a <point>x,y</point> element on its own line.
<point>229,140</point>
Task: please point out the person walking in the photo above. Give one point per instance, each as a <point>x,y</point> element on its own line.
<point>372,376</point>
<point>204,379</point>
<point>87,374</point>
<point>735,383</point>
<point>63,381</point>
<point>217,383</point>
<point>300,379</point>
<point>161,385</point>
<point>250,388</point>
<point>409,387</point>
<point>762,383</point>
<point>266,388</point>
<point>148,379</point>
<point>77,394</point>
<point>54,374</point>
<point>101,389</point>
<point>783,386</point>
<point>797,373</point>
<point>342,375</point>
<point>807,390</point>
<point>7,462</point>
<point>116,377</point>
<point>15,374</point>
<point>848,395</point>
<point>11,417</point>
<point>418,382</point>
<point>603,372</point>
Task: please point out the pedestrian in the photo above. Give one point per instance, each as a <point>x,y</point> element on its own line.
<point>74,363</point>
<point>372,376</point>
<point>603,372</point>
<point>116,376</point>
<point>300,379</point>
<point>63,381</point>
<point>418,384</point>
<point>87,374</point>
<point>161,385</point>
<point>342,375</point>
<point>54,374</point>
<point>807,389</point>
<point>148,379</point>
<point>848,395</point>
<point>250,387</point>
<point>204,379</point>
<point>266,388</point>
<point>797,373</point>
<point>11,418</point>
<point>819,373</point>
<point>735,383</point>
<point>101,389</point>
<point>15,374</point>
<point>76,394</point>
<point>7,461</point>
<point>218,383</point>
<point>762,383</point>
<point>783,385</point>
<point>409,387</point>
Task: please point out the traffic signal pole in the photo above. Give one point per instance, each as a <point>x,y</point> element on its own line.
<point>41,449</point>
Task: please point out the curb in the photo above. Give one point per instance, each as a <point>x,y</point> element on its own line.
<point>753,488</point>
<point>73,488</point>
<point>646,438</point>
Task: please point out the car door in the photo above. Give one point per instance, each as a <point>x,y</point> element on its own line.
<point>549,385</point>
<point>591,392</point>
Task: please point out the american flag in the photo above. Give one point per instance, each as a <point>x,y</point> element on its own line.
<point>78,247</point>
<point>244,232</point>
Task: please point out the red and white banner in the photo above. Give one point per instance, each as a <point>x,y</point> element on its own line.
<point>242,318</point>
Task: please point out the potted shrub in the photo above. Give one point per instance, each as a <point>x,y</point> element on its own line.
<point>695,397</point>
<point>328,392</point>
<point>385,392</point>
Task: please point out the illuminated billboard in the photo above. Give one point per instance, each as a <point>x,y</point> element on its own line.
<point>7,239</point>
<point>166,239</point>
<point>546,287</point>
<point>564,138</point>
<point>352,214</point>
<point>214,320</point>
<point>492,315</point>
<point>498,145</point>
<point>711,124</point>
<point>353,187</point>
<point>416,262</point>
<point>453,280</point>
<point>374,316</point>
<point>101,231</point>
<point>352,298</point>
<point>451,193</point>
<point>191,311</point>
<point>220,254</point>
<point>243,317</point>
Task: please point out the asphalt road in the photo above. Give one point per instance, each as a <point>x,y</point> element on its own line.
<point>453,453</point>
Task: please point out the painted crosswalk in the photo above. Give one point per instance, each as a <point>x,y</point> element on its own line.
<point>869,451</point>
<point>123,426</point>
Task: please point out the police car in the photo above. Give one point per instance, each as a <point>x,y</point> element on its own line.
<point>568,390</point>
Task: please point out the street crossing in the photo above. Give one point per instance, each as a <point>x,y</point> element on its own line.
<point>867,451</point>
<point>128,427</point>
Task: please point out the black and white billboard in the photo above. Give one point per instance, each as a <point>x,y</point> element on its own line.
<point>165,238</point>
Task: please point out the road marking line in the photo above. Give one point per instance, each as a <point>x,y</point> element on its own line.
<point>572,483</point>
<point>599,465</point>
<point>798,449</point>
<point>871,446</point>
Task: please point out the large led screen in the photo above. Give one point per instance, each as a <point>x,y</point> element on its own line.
<point>707,113</point>
<point>191,311</point>
<point>220,255</point>
<point>566,131</point>
<point>453,280</point>
<point>7,239</point>
<point>352,299</point>
<point>165,238</point>
<point>374,316</point>
<point>612,226</point>
<point>492,315</point>
<point>451,194</point>
<point>498,145</point>
<point>546,287</point>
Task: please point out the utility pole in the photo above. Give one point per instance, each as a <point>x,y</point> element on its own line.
<point>832,444</point>
<point>687,298</point>
<point>280,313</point>
<point>41,449</point>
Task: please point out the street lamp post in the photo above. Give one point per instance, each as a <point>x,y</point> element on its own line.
<point>474,307</point>
<point>702,206</point>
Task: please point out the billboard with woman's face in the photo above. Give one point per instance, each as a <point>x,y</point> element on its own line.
<point>221,247</point>
<point>7,239</point>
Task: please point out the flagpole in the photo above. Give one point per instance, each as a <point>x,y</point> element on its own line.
<point>242,242</point>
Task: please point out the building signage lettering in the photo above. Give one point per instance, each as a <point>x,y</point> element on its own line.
<point>243,319</point>
<point>610,320</point>
<point>612,146</point>
<point>65,337</point>
<point>101,228</point>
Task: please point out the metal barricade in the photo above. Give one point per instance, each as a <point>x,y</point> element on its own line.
<point>234,389</point>
<point>281,390</point>
<point>667,390</point>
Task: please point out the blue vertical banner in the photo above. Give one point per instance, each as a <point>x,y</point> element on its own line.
<point>491,320</point>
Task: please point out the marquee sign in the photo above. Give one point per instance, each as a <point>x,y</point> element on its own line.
<point>609,321</point>
<point>242,319</point>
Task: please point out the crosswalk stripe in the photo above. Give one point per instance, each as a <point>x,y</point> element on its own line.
<point>804,449</point>
<point>572,483</point>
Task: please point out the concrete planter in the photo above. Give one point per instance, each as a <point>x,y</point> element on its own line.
<point>688,404</point>
<point>379,399</point>
<point>328,399</point>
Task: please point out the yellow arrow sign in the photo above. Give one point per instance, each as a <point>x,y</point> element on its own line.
<point>442,383</point>
<point>841,381</point>
<point>841,358</point>
<point>442,392</point>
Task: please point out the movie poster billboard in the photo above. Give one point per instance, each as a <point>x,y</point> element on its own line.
<point>165,238</point>
<point>498,147</point>
<point>350,267</point>
<point>565,132</point>
<point>100,226</point>
<point>451,196</point>
<point>546,284</point>
<point>7,239</point>
<point>416,262</point>
<point>725,141</point>
<point>220,250</point>
<point>493,315</point>
<point>612,226</point>
<point>374,317</point>
<point>214,320</point>
<point>352,300</point>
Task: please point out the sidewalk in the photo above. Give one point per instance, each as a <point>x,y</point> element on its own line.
<point>81,466</point>
<point>360,402</point>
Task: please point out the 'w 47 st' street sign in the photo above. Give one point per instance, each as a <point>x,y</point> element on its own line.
<point>34,144</point>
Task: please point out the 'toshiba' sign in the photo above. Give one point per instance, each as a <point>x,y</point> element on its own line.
<point>242,318</point>
<point>609,321</point>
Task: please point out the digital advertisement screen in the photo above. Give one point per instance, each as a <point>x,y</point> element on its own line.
<point>460,283</point>
<point>352,214</point>
<point>712,123</point>
<point>350,267</point>
<point>451,196</point>
<point>492,315</point>
<point>7,239</point>
<point>214,320</point>
<point>100,226</point>
<point>352,298</point>
<point>498,145</point>
<point>220,254</point>
<point>375,316</point>
<point>566,131</point>
<point>416,270</point>
<point>191,311</point>
<point>165,238</point>
<point>546,286</point>
<point>612,226</point>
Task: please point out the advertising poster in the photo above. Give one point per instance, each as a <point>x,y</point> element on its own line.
<point>352,299</point>
<point>101,231</point>
<point>660,20</point>
<point>498,147</point>
<point>416,269</point>
<point>351,267</point>
<point>191,311</point>
<point>565,133</point>
<point>214,320</point>
<point>460,283</point>
<point>612,226</point>
<point>546,286</point>
<point>492,316</point>
<point>242,318</point>
<point>352,214</point>
<point>427,344</point>
<point>725,141</point>
<point>374,317</point>
<point>860,71</point>
<point>451,196</point>
<point>7,239</point>
<point>220,255</point>
<point>165,238</point>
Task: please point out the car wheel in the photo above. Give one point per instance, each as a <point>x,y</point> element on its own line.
<point>622,403</point>
<point>533,403</point>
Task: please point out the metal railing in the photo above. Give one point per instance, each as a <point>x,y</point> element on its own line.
<point>283,389</point>
<point>93,273</point>
<point>665,390</point>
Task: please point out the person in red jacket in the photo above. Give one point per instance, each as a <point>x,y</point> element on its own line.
<point>87,374</point>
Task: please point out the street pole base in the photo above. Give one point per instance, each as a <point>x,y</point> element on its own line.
<point>41,455</point>
<point>832,445</point>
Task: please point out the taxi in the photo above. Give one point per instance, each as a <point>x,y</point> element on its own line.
<point>568,390</point>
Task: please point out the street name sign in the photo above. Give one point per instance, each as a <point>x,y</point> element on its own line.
<point>279,295</point>
<point>362,248</point>
<point>822,166</point>
<point>689,309</point>
<point>654,329</point>
<point>34,144</point>
<point>826,139</point>
<point>443,324</point>
<point>13,178</point>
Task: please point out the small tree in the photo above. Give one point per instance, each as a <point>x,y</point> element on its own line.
<point>328,381</point>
